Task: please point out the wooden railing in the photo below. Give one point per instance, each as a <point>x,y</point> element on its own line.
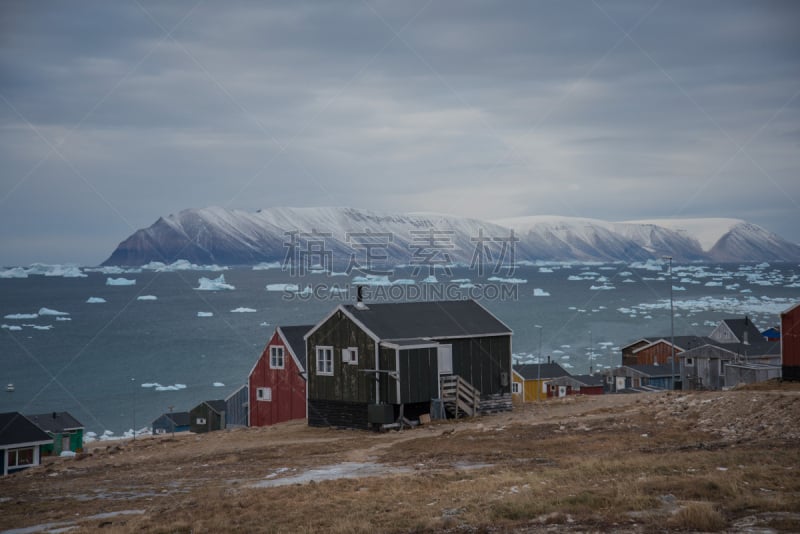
<point>459,396</point>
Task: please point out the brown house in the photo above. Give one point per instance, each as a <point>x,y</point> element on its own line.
<point>790,343</point>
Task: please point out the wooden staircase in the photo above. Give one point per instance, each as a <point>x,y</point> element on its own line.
<point>459,397</point>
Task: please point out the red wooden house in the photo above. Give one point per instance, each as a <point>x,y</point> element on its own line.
<point>278,381</point>
<point>790,343</point>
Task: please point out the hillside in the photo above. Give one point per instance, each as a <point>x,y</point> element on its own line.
<point>628,463</point>
<point>234,237</point>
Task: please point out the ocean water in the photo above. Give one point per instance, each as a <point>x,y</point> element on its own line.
<point>119,364</point>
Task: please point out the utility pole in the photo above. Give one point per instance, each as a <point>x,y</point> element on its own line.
<point>671,320</point>
<point>539,364</point>
<point>133,381</point>
<point>172,421</point>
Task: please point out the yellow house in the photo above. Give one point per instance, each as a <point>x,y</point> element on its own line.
<point>529,381</point>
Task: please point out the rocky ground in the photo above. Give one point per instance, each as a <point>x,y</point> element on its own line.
<point>711,461</point>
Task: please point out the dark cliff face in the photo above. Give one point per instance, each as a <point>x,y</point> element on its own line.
<point>228,237</point>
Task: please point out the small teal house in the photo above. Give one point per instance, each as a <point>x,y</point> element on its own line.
<point>21,443</point>
<point>169,423</point>
<point>65,430</point>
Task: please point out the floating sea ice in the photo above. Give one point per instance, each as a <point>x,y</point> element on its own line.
<point>538,292</point>
<point>216,284</point>
<point>567,365</point>
<point>147,297</point>
<point>372,280</point>
<point>263,266</point>
<point>40,327</point>
<point>508,280</point>
<point>565,346</point>
<point>404,282</point>
<point>574,278</point>
<point>460,281</point>
<point>678,288</point>
<point>63,318</point>
<point>205,314</point>
<point>713,284</point>
<point>22,316</point>
<point>120,282</point>
<point>14,272</point>
<point>466,285</point>
<point>264,324</point>
<point>572,308</point>
<point>12,327</point>
<point>545,270</point>
<point>95,300</point>
<point>218,385</point>
<point>336,290</point>
<point>243,310</point>
<point>48,311</point>
<point>625,273</point>
<point>174,387</point>
<point>431,280</point>
<point>604,287</point>
<point>648,316</point>
<point>282,287</point>
<point>306,292</point>
<point>181,265</point>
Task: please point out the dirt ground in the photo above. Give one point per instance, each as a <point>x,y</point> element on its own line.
<point>710,461</point>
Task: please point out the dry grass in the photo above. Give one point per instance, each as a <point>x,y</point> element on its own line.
<point>622,463</point>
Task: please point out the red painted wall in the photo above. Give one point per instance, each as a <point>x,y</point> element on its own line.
<point>790,337</point>
<point>288,389</point>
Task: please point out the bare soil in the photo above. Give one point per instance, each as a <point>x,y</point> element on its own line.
<point>709,461</point>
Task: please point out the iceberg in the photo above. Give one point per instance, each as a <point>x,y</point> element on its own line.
<point>95,300</point>
<point>48,311</point>
<point>508,280</point>
<point>180,265</point>
<point>22,316</point>
<point>218,385</point>
<point>11,327</point>
<point>545,270</point>
<point>205,314</point>
<point>266,265</point>
<point>147,297</point>
<point>283,287</point>
<point>40,327</point>
<point>216,284</point>
<point>120,282</point>
<point>538,292</point>
<point>243,310</point>
<point>13,272</point>
<point>63,318</point>
<point>604,287</point>
<point>430,280</point>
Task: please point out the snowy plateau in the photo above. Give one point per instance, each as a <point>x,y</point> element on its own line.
<point>222,236</point>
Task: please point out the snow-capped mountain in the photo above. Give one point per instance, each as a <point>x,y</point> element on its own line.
<point>234,237</point>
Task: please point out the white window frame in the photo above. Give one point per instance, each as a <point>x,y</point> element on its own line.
<point>200,420</point>
<point>276,357</point>
<point>324,360</point>
<point>15,452</point>
<point>264,394</point>
<point>516,388</point>
<point>350,355</point>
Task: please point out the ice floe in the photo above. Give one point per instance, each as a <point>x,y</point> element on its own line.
<point>283,287</point>
<point>218,385</point>
<point>158,387</point>
<point>508,280</point>
<point>95,300</point>
<point>242,309</point>
<point>539,292</point>
<point>181,265</point>
<point>21,316</point>
<point>205,314</point>
<point>213,284</point>
<point>147,297</point>
<point>48,311</point>
<point>11,327</point>
<point>266,265</point>
<point>120,282</point>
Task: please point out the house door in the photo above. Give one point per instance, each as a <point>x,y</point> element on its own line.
<point>65,443</point>
<point>562,391</point>
<point>444,354</point>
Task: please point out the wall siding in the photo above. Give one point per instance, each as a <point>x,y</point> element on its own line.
<point>288,389</point>
<point>419,375</point>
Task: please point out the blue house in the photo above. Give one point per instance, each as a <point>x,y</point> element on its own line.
<point>171,422</point>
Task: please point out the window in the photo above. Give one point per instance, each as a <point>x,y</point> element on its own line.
<point>689,361</point>
<point>20,457</point>
<point>264,394</point>
<point>325,360</point>
<point>350,355</point>
<point>200,420</point>
<point>515,387</point>
<point>276,357</point>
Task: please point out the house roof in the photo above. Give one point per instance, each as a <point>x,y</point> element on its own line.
<point>293,335</point>
<point>589,380</point>
<point>216,405</point>
<point>761,347</point>
<point>740,326</point>
<point>681,342</point>
<point>55,422</point>
<point>440,319</point>
<point>15,429</point>
<point>178,418</point>
<point>532,371</point>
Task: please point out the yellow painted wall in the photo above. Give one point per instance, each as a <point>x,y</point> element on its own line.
<point>530,388</point>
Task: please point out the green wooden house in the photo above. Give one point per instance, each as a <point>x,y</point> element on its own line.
<point>370,365</point>
<point>63,428</point>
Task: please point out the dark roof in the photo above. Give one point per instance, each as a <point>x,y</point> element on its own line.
<point>55,422</point>
<point>589,380</point>
<point>178,418</point>
<point>681,342</point>
<point>441,319</point>
<point>531,371</point>
<point>218,406</point>
<point>410,342</point>
<point>16,428</point>
<point>654,370</point>
<point>762,347</point>
<point>294,337</point>
<point>739,326</point>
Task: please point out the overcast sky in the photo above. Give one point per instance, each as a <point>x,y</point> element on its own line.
<point>115,113</point>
